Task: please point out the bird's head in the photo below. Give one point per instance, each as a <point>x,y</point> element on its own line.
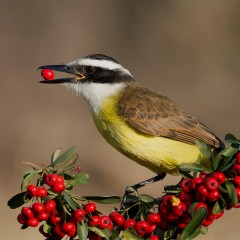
<point>95,77</point>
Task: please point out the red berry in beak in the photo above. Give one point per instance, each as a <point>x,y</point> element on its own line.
<point>47,74</point>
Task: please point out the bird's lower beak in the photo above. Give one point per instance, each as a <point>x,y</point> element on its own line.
<point>61,68</point>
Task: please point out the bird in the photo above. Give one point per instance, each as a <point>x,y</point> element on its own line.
<point>144,125</point>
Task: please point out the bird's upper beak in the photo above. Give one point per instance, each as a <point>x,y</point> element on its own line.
<point>65,69</point>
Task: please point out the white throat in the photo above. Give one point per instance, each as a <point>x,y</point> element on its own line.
<point>95,93</point>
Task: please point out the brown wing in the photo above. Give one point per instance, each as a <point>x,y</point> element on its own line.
<point>154,114</point>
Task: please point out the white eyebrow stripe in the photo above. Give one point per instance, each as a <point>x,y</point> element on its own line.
<point>100,63</point>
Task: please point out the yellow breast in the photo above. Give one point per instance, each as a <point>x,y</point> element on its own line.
<point>159,154</point>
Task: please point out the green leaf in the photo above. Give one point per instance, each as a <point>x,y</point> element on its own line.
<point>131,235</point>
<point>104,199</point>
<point>191,167</point>
<point>18,200</point>
<point>78,179</point>
<point>204,149</point>
<point>185,174</point>
<point>69,200</point>
<point>46,227</point>
<point>194,223</point>
<point>106,233</point>
<point>64,156</point>
<point>146,198</point>
<point>218,207</point>
<point>68,163</point>
<point>55,155</point>
<point>28,179</point>
<point>82,230</point>
<point>231,192</point>
<point>203,230</point>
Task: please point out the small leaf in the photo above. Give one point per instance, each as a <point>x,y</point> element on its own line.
<point>194,223</point>
<point>78,179</point>
<point>185,174</point>
<point>218,207</point>
<point>191,167</point>
<point>146,198</point>
<point>204,149</point>
<point>106,233</point>
<point>55,155</point>
<point>104,199</point>
<point>64,156</point>
<point>82,230</point>
<point>27,179</point>
<point>46,227</point>
<point>69,200</point>
<point>203,230</point>
<point>231,192</point>
<point>131,235</point>
<point>17,200</point>
<point>68,163</point>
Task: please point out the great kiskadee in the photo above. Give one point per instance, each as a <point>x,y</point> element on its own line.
<point>145,126</point>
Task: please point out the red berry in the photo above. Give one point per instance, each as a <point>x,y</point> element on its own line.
<point>151,228</point>
<point>32,222</point>
<point>78,215</point>
<point>221,178</point>
<point>153,218</point>
<point>171,217</point>
<point>32,190</point>
<point>110,226</point>
<point>200,197</point>
<point>181,225</point>
<point>186,185</point>
<point>128,223</point>
<point>50,206</point>
<point>167,201</point>
<point>27,212</point>
<point>42,192</point>
<point>203,191</point>
<point>236,181</point>
<point>117,219</point>
<point>185,197</point>
<point>186,217</point>
<point>196,182</point>
<point>55,220</point>
<point>58,187</point>
<point>211,184</point>
<point>72,233</point>
<point>218,215</point>
<point>51,179</point>
<point>203,175</point>
<point>68,227</point>
<point>238,193</point>
<point>236,167</point>
<point>179,209</point>
<point>238,157</point>
<point>214,195</point>
<point>94,221</point>
<point>21,219</point>
<point>104,222</point>
<point>199,205</point>
<point>47,74</point>
<point>142,228</point>
<point>38,207</point>
<point>90,207</point>
<point>43,216</point>
<point>154,237</point>
<point>207,222</point>
<point>210,216</point>
<point>60,179</point>
<point>58,231</point>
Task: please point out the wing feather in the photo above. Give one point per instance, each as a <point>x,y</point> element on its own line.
<point>154,114</point>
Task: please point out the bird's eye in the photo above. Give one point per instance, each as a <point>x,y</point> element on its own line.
<point>89,69</point>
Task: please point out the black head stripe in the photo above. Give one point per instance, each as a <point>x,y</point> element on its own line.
<point>101,57</point>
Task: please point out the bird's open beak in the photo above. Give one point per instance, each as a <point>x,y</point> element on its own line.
<point>62,68</point>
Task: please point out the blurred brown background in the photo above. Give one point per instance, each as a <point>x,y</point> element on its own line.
<point>188,50</point>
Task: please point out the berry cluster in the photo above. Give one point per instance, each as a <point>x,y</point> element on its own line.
<point>184,212</point>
